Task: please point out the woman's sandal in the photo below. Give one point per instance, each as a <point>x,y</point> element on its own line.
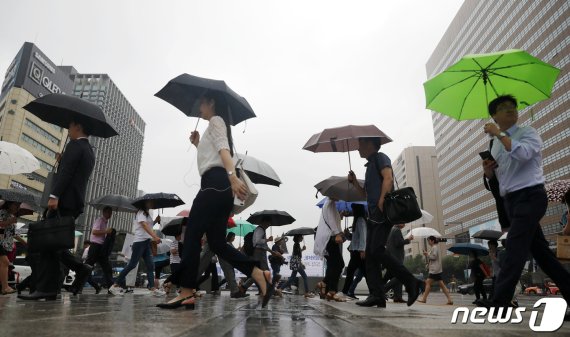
<point>9,292</point>
<point>179,303</point>
<point>332,296</point>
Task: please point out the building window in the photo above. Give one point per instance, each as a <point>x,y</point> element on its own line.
<point>37,145</point>
<point>42,132</point>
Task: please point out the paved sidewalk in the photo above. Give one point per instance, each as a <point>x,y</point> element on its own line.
<point>135,315</point>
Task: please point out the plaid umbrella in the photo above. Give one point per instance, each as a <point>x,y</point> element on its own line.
<point>555,190</point>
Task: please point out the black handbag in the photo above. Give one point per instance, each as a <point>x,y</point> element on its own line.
<point>401,206</point>
<point>56,233</point>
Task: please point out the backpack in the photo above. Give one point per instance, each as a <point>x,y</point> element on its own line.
<point>248,244</point>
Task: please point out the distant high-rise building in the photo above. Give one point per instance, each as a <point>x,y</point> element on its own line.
<point>118,158</point>
<point>483,26</point>
<point>417,167</point>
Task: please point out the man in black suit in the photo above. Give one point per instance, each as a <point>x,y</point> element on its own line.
<point>68,198</point>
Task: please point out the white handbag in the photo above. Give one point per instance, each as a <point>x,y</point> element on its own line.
<point>241,205</point>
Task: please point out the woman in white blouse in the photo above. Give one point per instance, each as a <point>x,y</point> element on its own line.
<point>212,206</point>
<point>328,244</point>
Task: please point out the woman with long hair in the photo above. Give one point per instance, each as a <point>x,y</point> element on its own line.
<point>435,270</point>
<point>212,206</point>
<point>8,221</point>
<point>296,265</point>
<point>144,234</point>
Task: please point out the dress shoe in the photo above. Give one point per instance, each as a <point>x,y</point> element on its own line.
<point>413,291</point>
<point>37,295</point>
<point>371,301</point>
<point>81,277</point>
<point>399,300</point>
<point>97,289</point>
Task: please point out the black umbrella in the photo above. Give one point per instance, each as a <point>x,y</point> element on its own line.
<point>185,91</point>
<point>300,231</point>
<point>161,200</point>
<point>174,227</point>
<point>19,195</point>
<point>488,234</point>
<point>118,203</point>
<point>60,110</point>
<point>278,218</point>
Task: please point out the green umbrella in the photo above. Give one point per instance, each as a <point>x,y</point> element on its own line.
<point>242,228</point>
<point>464,90</point>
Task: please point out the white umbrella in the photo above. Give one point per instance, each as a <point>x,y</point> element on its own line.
<point>15,160</point>
<point>258,171</point>
<point>425,219</point>
<point>423,232</point>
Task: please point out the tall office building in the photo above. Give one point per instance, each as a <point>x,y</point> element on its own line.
<point>417,167</point>
<point>118,158</point>
<point>31,75</point>
<point>483,26</point>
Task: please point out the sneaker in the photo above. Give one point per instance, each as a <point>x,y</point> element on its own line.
<point>116,291</point>
<point>158,292</point>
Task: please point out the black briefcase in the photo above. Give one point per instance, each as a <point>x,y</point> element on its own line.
<point>52,234</point>
<point>401,206</point>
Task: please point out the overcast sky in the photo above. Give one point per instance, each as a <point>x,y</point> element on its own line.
<point>302,65</point>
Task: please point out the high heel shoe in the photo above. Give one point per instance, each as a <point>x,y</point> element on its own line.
<point>178,304</point>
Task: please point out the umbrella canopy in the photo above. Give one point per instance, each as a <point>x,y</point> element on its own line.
<point>78,233</point>
<point>161,200</point>
<point>118,203</point>
<point>14,159</point>
<point>423,232</point>
<point>341,205</point>
<point>344,138</point>
<point>242,228</point>
<point>258,171</point>
<point>60,110</point>
<point>185,91</point>
<point>173,227</point>
<point>18,195</point>
<point>339,188</point>
<point>488,234</point>
<point>300,231</point>
<point>504,236</point>
<point>466,248</point>
<point>555,190</point>
<point>425,219</point>
<point>278,218</point>
<point>464,90</point>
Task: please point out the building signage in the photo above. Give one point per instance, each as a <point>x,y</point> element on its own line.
<point>38,76</point>
<point>44,62</point>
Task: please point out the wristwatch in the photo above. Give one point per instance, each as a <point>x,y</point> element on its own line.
<point>501,135</point>
<point>230,173</point>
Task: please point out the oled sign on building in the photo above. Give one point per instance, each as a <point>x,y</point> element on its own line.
<point>33,71</point>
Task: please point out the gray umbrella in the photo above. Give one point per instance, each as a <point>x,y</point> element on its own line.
<point>300,231</point>
<point>118,203</point>
<point>60,110</point>
<point>488,234</point>
<point>161,200</point>
<point>339,188</point>
<point>18,195</point>
<point>185,91</point>
<point>258,171</point>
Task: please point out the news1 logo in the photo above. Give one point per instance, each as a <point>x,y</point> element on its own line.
<point>552,316</point>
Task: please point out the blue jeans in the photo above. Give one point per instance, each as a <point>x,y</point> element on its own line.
<point>358,275</point>
<point>294,276</point>
<point>140,249</point>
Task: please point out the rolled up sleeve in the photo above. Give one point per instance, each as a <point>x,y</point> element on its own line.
<point>527,147</point>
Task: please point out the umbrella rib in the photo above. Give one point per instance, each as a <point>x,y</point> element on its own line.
<point>492,87</point>
<point>524,64</point>
<point>454,84</point>
<point>519,80</point>
<point>465,99</point>
<point>496,60</point>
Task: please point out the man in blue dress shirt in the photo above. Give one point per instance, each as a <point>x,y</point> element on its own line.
<point>518,167</point>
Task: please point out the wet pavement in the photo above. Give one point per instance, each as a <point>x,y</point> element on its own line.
<point>135,315</point>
